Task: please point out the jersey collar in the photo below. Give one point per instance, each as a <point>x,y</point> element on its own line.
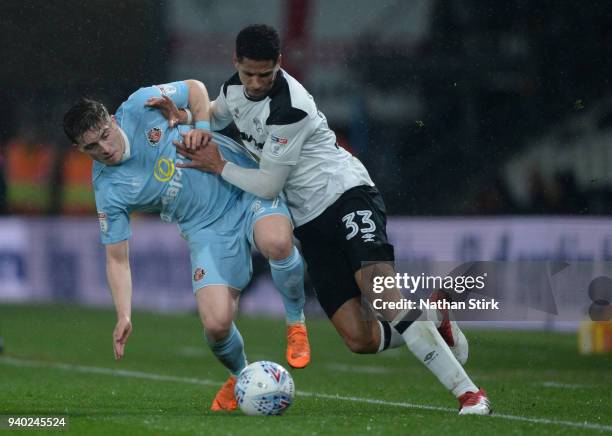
<point>128,149</point>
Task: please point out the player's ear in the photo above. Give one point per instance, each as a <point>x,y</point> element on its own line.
<point>280,58</point>
<point>235,60</point>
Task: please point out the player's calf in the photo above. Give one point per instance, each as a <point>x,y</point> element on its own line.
<point>359,332</point>
<point>424,341</point>
<point>448,328</point>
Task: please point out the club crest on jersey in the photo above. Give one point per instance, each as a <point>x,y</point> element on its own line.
<point>166,89</point>
<point>154,135</point>
<point>258,125</point>
<point>199,274</point>
<point>102,217</point>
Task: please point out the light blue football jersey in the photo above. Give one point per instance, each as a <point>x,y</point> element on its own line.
<point>148,180</point>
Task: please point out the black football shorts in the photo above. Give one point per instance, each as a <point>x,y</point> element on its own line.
<point>350,231</point>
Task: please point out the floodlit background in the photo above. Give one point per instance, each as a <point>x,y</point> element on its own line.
<point>486,125</point>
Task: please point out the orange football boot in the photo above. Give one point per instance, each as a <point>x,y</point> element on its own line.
<point>225,398</point>
<point>298,348</point>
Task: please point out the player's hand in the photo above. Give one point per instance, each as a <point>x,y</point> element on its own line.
<point>194,139</point>
<point>167,107</point>
<point>207,159</point>
<point>120,336</point>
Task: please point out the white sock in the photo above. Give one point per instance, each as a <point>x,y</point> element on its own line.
<point>434,316</point>
<point>427,345</point>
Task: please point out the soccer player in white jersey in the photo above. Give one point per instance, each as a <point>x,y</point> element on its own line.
<point>338,212</point>
<point>136,169</point>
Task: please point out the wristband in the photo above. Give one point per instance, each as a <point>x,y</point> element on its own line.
<point>189,116</point>
<point>204,125</point>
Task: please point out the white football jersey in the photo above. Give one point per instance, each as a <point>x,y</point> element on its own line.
<point>285,127</point>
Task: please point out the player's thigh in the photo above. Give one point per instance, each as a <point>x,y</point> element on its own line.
<point>273,236</point>
<point>217,305</point>
<point>363,236</point>
<point>220,258</point>
<point>366,277</point>
<point>268,226</point>
<point>329,271</point>
<point>356,326</point>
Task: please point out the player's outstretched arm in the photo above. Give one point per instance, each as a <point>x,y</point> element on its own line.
<point>199,102</point>
<point>170,111</point>
<point>280,153</point>
<point>199,113</point>
<point>119,278</point>
<point>267,181</point>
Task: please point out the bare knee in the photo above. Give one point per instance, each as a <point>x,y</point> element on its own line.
<point>360,335</point>
<point>216,330</point>
<point>275,246</point>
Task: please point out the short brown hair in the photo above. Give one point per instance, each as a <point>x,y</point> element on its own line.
<point>87,114</point>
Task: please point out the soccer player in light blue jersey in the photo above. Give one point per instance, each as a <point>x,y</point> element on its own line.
<point>136,168</point>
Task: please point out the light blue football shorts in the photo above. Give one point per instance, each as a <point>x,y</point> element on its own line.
<point>221,253</point>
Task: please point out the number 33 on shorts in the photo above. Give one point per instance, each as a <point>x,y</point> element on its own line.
<point>367,227</point>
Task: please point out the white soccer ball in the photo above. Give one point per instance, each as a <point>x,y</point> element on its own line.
<point>264,388</point>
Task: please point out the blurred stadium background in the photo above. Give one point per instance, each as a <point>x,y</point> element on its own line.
<point>487,126</point>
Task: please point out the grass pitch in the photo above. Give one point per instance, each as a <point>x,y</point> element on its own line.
<point>58,360</point>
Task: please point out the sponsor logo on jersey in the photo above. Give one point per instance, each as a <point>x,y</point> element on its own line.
<point>249,138</point>
<point>167,171</point>
<point>164,169</point>
<point>103,218</point>
<point>154,135</point>
<point>199,274</point>
<point>166,89</point>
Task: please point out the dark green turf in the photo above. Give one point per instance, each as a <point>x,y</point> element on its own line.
<point>512,366</point>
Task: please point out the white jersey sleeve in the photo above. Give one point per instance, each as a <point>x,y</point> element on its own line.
<point>266,182</point>
<point>284,143</point>
<point>220,116</point>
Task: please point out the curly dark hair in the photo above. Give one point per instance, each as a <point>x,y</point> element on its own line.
<point>258,42</point>
<point>85,115</point>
